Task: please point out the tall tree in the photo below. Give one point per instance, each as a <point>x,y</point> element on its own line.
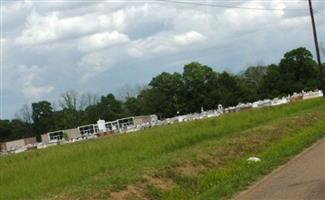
<point>108,108</point>
<point>88,99</point>
<point>254,76</point>
<point>132,106</point>
<point>233,90</point>
<point>69,100</point>
<point>167,91</point>
<point>199,81</point>
<point>272,83</point>
<point>128,91</point>
<point>298,70</point>
<point>42,116</point>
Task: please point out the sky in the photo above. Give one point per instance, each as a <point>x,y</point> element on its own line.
<point>49,47</point>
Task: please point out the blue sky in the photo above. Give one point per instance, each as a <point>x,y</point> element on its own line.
<point>49,47</point>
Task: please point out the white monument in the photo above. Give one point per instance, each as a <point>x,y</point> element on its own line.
<point>101,125</point>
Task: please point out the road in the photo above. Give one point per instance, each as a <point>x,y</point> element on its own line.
<point>301,178</point>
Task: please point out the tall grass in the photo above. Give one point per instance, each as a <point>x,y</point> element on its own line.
<point>78,169</point>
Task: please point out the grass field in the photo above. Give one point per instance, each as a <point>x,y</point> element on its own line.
<point>203,159</point>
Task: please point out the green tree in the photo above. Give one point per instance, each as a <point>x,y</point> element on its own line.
<point>5,130</point>
<point>20,129</point>
<point>272,83</point>
<point>14,129</point>
<point>72,118</point>
<point>254,75</point>
<point>233,90</point>
<point>148,99</point>
<point>200,87</point>
<point>298,70</point>
<point>132,106</point>
<point>42,117</point>
<point>108,108</point>
<point>167,91</point>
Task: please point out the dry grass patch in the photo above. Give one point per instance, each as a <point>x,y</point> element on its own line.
<point>130,193</point>
<point>190,169</point>
<point>141,189</point>
<point>247,142</point>
<point>162,183</point>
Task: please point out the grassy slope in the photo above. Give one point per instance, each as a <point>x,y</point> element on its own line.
<point>201,159</point>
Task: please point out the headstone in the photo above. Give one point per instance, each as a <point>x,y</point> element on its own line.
<point>220,108</point>
<point>101,125</point>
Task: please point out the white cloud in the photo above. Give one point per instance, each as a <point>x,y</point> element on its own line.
<point>164,43</point>
<point>134,52</point>
<point>157,44</point>
<point>26,81</point>
<point>101,40</point>
<point>189,37</point>
<point>13,9</point>
<point>42,29</point>
<point>39,30</point>
<point>36,92</point>
<point>291,23</point>
<point>93,64</point>
<point>56,25</point>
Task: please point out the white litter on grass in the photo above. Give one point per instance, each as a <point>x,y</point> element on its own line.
<point>254,159</point>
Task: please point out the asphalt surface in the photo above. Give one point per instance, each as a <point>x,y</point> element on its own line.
<point>301,178</point>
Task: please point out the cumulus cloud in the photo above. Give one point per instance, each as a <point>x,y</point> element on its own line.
<point>39,30</point>
<point>93,64</point>
<point>42,29</point>
<point>14,11</point>
<point>189,37</point>
<point>36,92</point>
<point>165,43</point>
<point>26,80</point>
<point>102,40</point>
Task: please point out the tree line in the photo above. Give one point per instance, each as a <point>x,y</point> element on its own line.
<point>169,94</point>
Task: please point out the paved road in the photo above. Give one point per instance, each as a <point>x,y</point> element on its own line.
<point>302,178</point>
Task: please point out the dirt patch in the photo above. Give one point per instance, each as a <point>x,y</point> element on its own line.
<point>140,189</point>
<point>190,169</point>
<point>130,193</point>
<point>161,183</point>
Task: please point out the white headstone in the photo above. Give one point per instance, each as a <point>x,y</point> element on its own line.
<point>220,108</point>
<point>101,125</point>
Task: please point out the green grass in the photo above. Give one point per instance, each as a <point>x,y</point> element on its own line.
<point>203,159</point>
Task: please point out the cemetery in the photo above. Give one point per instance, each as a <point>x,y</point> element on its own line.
<point>136,123</point>
<point>101,128</point>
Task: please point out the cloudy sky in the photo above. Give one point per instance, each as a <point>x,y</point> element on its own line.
<point>49,47</point>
